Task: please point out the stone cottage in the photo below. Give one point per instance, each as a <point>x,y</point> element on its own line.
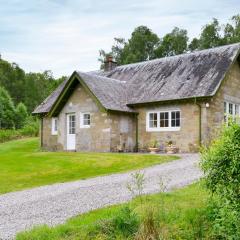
<point>183,99</point>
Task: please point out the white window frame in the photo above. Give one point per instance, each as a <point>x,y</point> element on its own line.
<point>82,125</point>
<point>234,114</point>
<point>162,129</point>
<point>54,126</point>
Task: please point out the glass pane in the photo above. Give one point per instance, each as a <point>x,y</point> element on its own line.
<point>153,120</point>
<point>166,122</point>
<point>177,123</point>
<point>178,114</point>
<point>230,108</point>
<point>173,123</point>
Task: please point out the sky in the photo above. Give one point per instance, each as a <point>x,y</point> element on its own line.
<point>66,35</point>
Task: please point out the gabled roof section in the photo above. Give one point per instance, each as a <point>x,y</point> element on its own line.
<point>110,92</point>
<point>192,75</point>
<point>196,74</point>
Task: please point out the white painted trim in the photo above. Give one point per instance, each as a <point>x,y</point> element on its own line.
<point>54,120</point>
<point>162,129</point>
<point>81,120</point>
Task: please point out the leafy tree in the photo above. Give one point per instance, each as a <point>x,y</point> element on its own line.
<point>210,35</point>
<point>232,32</point>
<point>7,110</point>
<point>173,43</point>
<point>193,45</point>
<point>140,47</point>
<point>28,88</point>
<point>21,115</point>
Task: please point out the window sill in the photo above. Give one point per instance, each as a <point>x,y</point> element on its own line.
<point>169,129</point>
<point>85,126</point>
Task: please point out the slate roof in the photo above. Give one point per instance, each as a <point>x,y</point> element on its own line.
<point>197,74</point>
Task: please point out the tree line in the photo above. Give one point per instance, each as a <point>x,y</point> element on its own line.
<point>144,44</point>
<point>27,88</point>
<point>21,92</point>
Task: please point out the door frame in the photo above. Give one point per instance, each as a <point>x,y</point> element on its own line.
<point>71,136</point>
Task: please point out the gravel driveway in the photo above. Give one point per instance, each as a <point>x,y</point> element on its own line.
<point>53,204</point>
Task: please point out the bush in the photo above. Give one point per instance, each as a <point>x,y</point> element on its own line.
<point>31,129</point>
<point>8,134</point>
<point>124,224</point>
<point>221,164</point>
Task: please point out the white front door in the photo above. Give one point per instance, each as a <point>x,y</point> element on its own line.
<point>71,131</point>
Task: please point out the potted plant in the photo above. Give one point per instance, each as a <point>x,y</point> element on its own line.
<point>153,147</point>
<point>170,148</point>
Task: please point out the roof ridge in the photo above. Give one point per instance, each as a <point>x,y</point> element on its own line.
<point>103,77</point>
<point>175,56</point>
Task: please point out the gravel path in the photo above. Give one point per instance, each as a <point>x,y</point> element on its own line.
<point>53,204</point>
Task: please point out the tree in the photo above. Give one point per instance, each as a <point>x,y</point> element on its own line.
<point>210,36</point>
<point>140,47</point>
<point>232,32</point>
<point>7,110</point>
<point>21,115</point>
<point>173,43</point>
<point>194,45</point>
<point>28,88</point>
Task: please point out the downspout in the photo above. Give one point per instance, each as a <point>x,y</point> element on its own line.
<point>41,132</point>
<point>136,146</point>
<point>200,123</point>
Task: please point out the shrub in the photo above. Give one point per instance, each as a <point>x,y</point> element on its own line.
<point>8,134</point>
<point>30,129</point>
<point>125,224</point>
<point>221,164</point>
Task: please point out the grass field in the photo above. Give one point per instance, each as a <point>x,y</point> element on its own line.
<point>23,165</point>
<point>177,215</point>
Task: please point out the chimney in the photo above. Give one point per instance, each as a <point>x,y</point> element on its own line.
<point>109,64</point>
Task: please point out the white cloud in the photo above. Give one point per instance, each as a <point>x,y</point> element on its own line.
<point>64,35</point>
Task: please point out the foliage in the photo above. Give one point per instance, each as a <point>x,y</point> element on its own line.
<point>7,110</point>
<point>145,45</point>
<point>185,219</point>
<point>173,43</point>
<point>154,144</point>
<point>30,129</point>
<point>21,115</point>
<point>28,88</point>
<point>141,46</point>
<point>27,162</point>
<point>124,224</point>
<point>221,165</point>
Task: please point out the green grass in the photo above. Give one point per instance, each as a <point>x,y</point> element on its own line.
<point>23,165</point>
<point>181,214</point>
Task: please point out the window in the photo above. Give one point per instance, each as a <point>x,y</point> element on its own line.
<point>231,110</point>
<point>153,120</point>
<point>72,124</point>
<point>175,118</point>
<point>54,126</point>
<point>85,120</point>
<point>163,121</point>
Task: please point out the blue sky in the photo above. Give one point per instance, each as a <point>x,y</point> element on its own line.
<point>65,35</point>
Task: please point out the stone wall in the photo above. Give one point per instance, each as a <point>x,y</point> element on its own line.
<point>123,132</point>
<point>106,133</point>
<point>186,139</point>
<point>49,141</point>
<point>229,91</point>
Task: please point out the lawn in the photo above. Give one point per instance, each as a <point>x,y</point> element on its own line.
<point>180,214</point>
<point>24,166</point>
